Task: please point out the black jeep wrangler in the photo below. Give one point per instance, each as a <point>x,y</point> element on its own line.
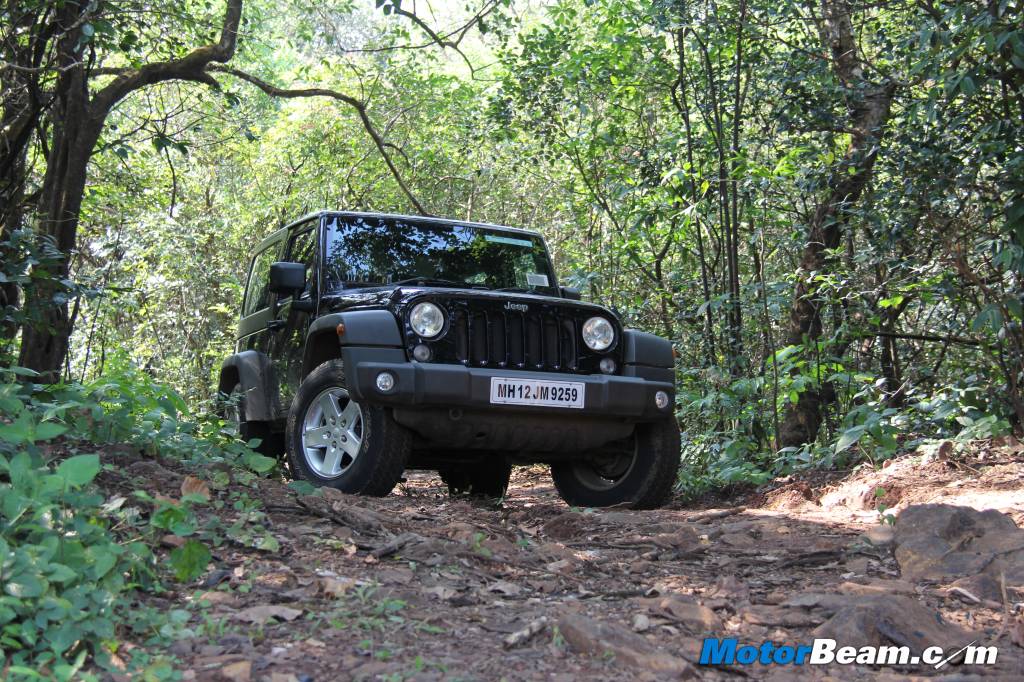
<point>369,344</point>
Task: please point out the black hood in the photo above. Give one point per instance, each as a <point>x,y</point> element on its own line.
<point>396,298</point>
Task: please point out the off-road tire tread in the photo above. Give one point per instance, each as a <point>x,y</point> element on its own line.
<point>395,446</point>
<point>655,489</point>
<point>661,478</point>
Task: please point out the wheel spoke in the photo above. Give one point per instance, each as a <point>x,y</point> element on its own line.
<point>351,414</point>
<point>352,443</point>
<point>317,437</point>
<point>329,405</point>
<point>332,432</point>
<point>332,457</point>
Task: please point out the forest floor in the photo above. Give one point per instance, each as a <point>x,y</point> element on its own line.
<point>422,586</point>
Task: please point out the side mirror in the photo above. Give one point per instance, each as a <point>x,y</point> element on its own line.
<point>287,278</point>
<point>572,293</point>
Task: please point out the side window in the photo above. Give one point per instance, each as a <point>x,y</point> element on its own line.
<point>302,249</point>
<point>257,296</point>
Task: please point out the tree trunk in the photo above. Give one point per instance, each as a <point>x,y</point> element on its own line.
<point>78,117</point>
<point>869,106</point>
<point>75,131</point>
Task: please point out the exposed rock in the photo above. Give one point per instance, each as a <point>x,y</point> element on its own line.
<point>776,616</point>
<point>731,588</point>
<point>882,535</point>
<point>878,586</point>
<point>888,620</point>
<point>694,617</point>
<point>237,672</point>
<point>599,639</point>
<point>266,612</point>
<point>941,542</point>
<point>983,586</point>
<point>823,601</point>
<point>641,623</point>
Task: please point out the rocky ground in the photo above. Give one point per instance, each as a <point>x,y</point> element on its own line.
<point>422,586</point>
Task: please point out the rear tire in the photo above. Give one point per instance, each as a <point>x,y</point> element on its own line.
<point>640,476</point>
<point>335,441</point>
<point>233,412</point>
<point>488,478</point>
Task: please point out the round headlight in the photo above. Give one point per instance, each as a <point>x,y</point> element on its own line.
<point>598,333</point>
<point>427,320</point>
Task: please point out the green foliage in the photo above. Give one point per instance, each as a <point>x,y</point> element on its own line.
<point>64,572</point>
<point>69,559</point>
<point>190,560</point>
<point>674,154</point>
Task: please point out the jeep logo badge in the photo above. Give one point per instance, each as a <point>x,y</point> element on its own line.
<point>518,307</point>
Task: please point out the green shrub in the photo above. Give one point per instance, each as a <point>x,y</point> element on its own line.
<point>71,561</point>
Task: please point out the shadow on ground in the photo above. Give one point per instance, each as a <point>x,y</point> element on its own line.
<point>421,586</point>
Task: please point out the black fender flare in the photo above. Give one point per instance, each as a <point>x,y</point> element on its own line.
<point>362,328</point>
<point>255,373</point>
<point>643,348</point>
<point>647,356</point>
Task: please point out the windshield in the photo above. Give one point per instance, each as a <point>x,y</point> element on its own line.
<point>385,250</point>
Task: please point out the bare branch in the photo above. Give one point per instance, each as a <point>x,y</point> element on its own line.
<point>356,104</point>
<point>191,67</point>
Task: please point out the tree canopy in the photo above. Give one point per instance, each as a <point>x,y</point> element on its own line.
<point>820,203</point>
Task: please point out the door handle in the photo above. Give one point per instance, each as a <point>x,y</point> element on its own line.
<point>275,324</point>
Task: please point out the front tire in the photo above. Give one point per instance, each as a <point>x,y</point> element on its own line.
<point>639,475</point>
<point>337,442</point>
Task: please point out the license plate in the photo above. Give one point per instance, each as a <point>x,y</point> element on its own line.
<point>506,391</point>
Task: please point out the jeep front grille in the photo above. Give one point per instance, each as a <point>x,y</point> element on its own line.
<point>514,340</point>
<point>486,333</point>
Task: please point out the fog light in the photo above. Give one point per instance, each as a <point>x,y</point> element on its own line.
<point>385,382</point>
<point>607,365</point>
<point>421,353</point>
<point>660,399</point>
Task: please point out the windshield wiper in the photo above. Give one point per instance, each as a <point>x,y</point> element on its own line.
<point>525,290</point>
<point>436,281</point>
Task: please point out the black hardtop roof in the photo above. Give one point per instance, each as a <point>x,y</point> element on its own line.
<point>277,235</point>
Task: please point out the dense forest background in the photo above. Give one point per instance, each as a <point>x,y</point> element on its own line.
<point>820,203</point>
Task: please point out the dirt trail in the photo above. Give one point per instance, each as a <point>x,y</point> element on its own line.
<point>421,586</point>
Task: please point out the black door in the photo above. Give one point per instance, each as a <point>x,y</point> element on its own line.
<point>293,314</point>
<point>257,306</point>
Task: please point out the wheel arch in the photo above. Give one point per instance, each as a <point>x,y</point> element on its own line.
<point>253,371</point>
<point>357,327</point>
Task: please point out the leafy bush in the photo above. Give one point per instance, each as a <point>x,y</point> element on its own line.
<point>728,423</point>
<point>67,575</point>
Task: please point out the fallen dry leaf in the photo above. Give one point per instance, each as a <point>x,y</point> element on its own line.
<point>237,672</point>
<point>216,597</point>
<point>265,612</point>
<point>336,587</point>
<point>172,540</point>
<point>1017,632</point>
<point>195,486</point>
<point>441,591</point>
<point>505,587</point>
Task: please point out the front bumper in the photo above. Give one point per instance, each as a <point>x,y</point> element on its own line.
<point>454,386</point>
